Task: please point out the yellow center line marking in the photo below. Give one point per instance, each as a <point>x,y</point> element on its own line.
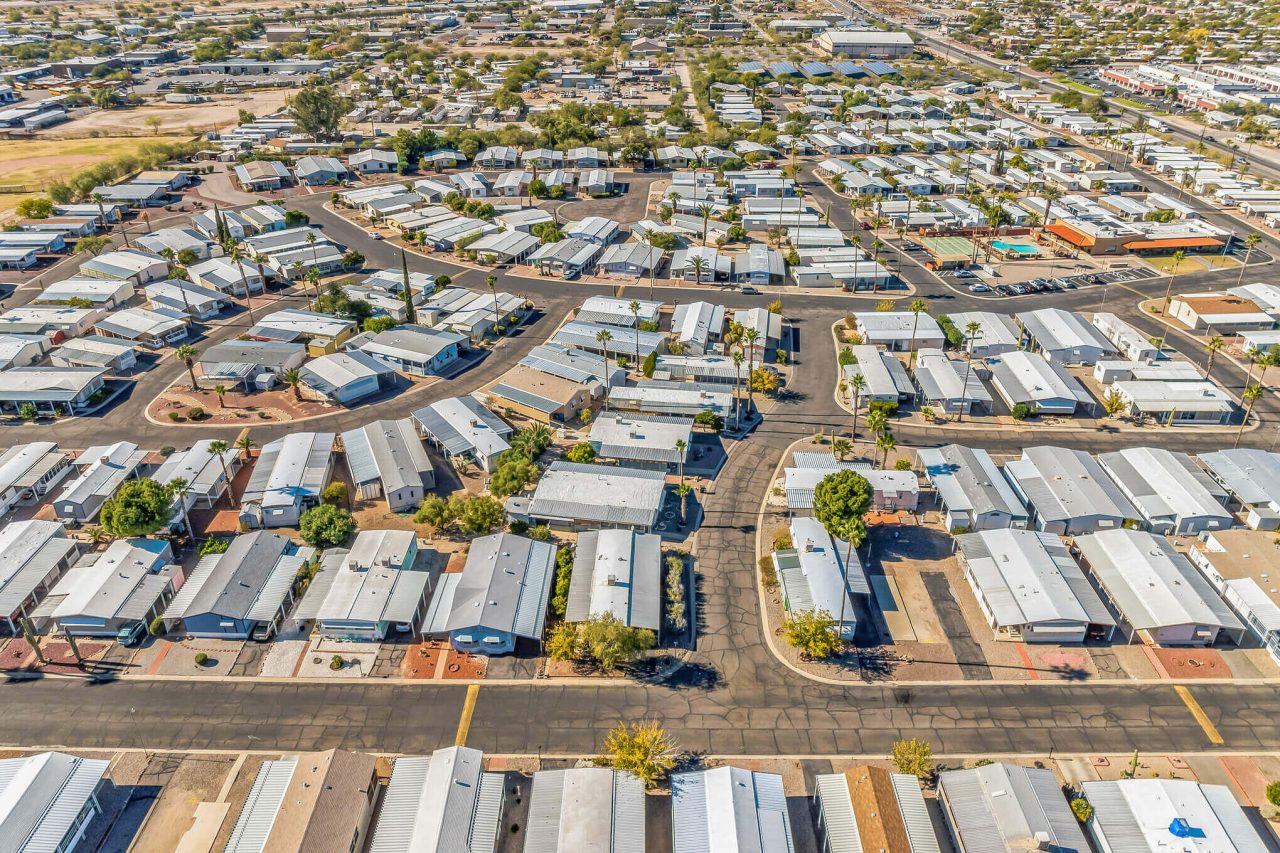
<point>469,708</point>
<point>1201,717</point>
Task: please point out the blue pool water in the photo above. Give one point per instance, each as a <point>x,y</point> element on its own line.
<point>1020,248</point>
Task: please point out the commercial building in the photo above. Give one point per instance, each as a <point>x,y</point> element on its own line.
<point>1174,495</point>
<point>1243,566</point>
<point>362,593</point>
<point>287,480</point>
<point>730,807</point>
<point>586,810</point>
<point>1029,588</point>
<point>1157,815</point>
<point>387,460</point>
<point>815,576</point>
<point>1252,478</point>
<point>1004,807</point>
<point>1064,337</point>
<point>461,426</point>
<point>617,572</point>
<point>1219,313</point>
<point>1157,591</point>
<point>499,596</point>
<point>972,491</point>
<point>585,497</point>
<point>319,802</point>
<point>48,800</point>
<point>34,554</point>
<point>101,470</point>
<point>441,802</point>
<point>1068,492</point>
<point>244,592</point>
<point>865,44</point>
<point>870,808</point>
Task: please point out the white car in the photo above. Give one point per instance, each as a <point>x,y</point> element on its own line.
<point>979,287</point>
<point>373,235</point>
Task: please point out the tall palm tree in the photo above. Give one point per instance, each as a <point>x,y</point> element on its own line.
<point>635,316</point>
<point>219,449</point>
<point>877,422</point>
<point>859,384</point>
<point>681,447</point>
<point>1250,396</point>
<point>704,210</point>
<point>315,253</point>
<point>916,306</point>
<point>1249,242</point>
<point>410,312</point>
<point>603,337</point>
<point>749,338</point>
<point>492,282</point>
<point>1213,345</point>
<point>1050,194</point>
<point>972,331</point>
<point>876,245</point>
<point>1254,355</point>
<point>178,487</point>
<point>1178,257</point>
<point>245,444</point>
<point>737,381</point>
<point>647,239</point>
<point>885,442</point>
<point>186,354</point>
<point>238,259</point>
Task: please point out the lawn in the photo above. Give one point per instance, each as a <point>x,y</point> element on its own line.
<point>1131,104</point>
<point>36,162</point>
<point>1193,263</point>
<point>1079,87</point>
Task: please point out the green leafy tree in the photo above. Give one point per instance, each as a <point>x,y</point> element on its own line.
<point>562,641</point>
<point>642,749</point>
<point>481,515</point>
<point>326,526</point>
<point>92,244</point>
<point>564,574</point>
<point>138,508</point>
<point>581,452</point>
<point>335,493</point>
<point>1082,809</point>
<point>609,643</point>
<point>514,473</point>
<point>840,502</point>
<point>913,757</point>
<point>435,512</point>
<point>35,208</point>
<point>318,110</point>
<point>812,633</point>
<point>375,325</point>
<point>1113,402</point>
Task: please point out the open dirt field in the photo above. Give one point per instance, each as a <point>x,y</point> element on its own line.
<point>36,162</point>
<point>182,119</point>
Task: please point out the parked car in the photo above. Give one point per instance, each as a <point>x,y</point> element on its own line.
<point>979,287</point>
<point>750,291</point>
<point>1004,290</point>
<point>131,635</point>
<point>373,235</point>
<point>964,274</point>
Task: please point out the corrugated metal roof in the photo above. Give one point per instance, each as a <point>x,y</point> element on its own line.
<point>836,806</point>
<point>441,605</point>
<point>41,796</point>
<point>586,809</point>
<point>440,804</point>
<point>271,595</point>
<point>915,814</point>
<point>618,572</point>
<point>258,815</point>
<point>599,493</point>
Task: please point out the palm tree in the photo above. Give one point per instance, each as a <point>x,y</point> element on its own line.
<point>237,259</point>
<point>841,448</point>
<point>1050,194</point>
<point>313,278</point>
<point>177,487</point>
<point>705,211</point>
<point>491,281</point>
<point>293,378</point>
<point>877,422</point>
<point>698,264</point>
<point>972,331</point>
<point>737,381</point>
<point>410,313</point>
<point>186,354</point>
<point>635,316</point>
<point>681,447</point>
<point>647,239</point>
<point>1254,355</point>
<point>1252,240</point>
<point>916,306</point>
<point>876,245</point>
<point>1178,257</point>
<point>244,443</point>
<point>603,337</point>
<point>218,448</point>
<point>1213,345</point>
<point>749,338</point>
<point>221,391</point>
<point>885,442</point>
<point>1250,396</point>
<point>859,384</point>
<point>315,253</point>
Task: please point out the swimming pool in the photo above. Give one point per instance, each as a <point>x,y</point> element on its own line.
<point>1020,248</point>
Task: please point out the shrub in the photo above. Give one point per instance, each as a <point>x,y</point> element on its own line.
<point>782,542</point>
<point>649,364</point>
<point>175,416</point>
<point>1021,412</point>
<point>201,658</point>
<point>902,465</point>
<point>1081,809</point>
<point>196,413</point>
<point>335,493</point>
<point>1273,794</point>
<point>913,757</point>
<point>168,450</point>
<point>336,663</point>
<point>642,749</point>
<point>564,573</point>
<point>326,526</point>
<point>710,420</point>
<point>581,452</point>
<point>213,545</point>
<point>889,409</point>
<point>156,628</point>
<point>812,633</point>
<point>983,762</point>
<point>519,528</point>
<point>768,574</point>
<point>541,533</point>
<point>28,412</point>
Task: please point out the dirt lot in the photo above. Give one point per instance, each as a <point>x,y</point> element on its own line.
<point>36,162</point>
<point>183,119</point>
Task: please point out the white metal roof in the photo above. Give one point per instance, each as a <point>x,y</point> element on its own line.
<point>586,810</point>
<point>41,796</point>
<point>262,807</point>
<point>1001,807</point>
<point>618,572</point>
<point>729,810</point>
<point>1065,484</point>
<point>1166,486</point>
<point>1144,815</point>
<point>968,481</point>
<point>442,803</point>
